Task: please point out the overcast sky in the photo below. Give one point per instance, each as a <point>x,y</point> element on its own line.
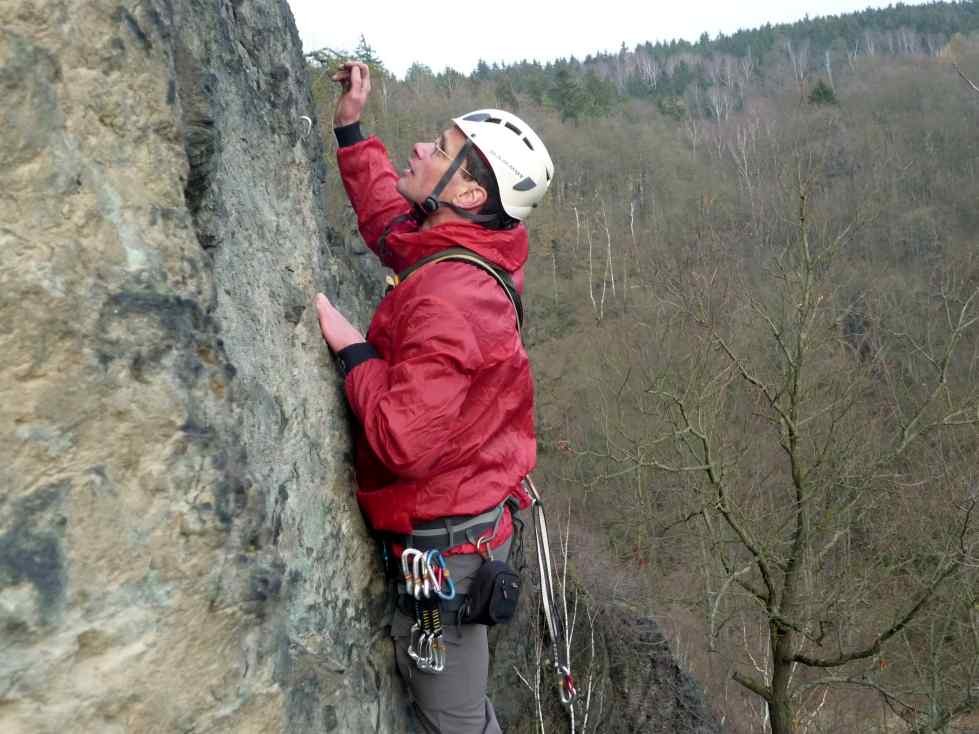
<point>458,34</point>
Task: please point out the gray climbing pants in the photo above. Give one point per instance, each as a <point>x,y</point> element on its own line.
<point>453,701</point>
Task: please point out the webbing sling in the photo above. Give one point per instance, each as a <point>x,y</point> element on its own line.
<point>552,613</point>
<point>461,254</point>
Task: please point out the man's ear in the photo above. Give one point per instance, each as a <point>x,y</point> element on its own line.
<point>471,198</point>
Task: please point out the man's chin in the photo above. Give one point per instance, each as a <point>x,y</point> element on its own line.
<point>402,189</point>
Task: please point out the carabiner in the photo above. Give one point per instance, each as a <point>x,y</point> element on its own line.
<point>424,660</point>
<point>566,686</point>
<point>437,567</point>
<point>437,662</point>
<point>411,578</point>
<point>451,593</point>
<point>485,539</point>
<point>419,574</point>
<point>414,640</point>
<point>426,576</point>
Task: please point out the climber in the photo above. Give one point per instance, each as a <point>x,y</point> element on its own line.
<point>441,385</point>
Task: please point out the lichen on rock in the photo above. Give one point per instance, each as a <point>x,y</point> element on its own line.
<point>180,549</point>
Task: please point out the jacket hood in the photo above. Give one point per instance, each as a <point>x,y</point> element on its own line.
<point>507,248</point>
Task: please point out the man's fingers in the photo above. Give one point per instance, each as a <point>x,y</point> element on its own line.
<point>365,77</point>
<point>323,310</point>
<point>355,76</point>
<point>325,314</point>
<point>338,333</point>
<point>358,79</point>
<point>354,80</point>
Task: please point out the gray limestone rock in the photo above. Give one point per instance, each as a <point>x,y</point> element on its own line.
<point>180,549</point>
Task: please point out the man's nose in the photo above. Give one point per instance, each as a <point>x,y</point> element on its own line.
<point>423,150</point>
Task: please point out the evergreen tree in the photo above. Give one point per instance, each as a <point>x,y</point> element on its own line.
<point>822,94</point>
<point>599,95</point>
<point>366,53</point>
<point>482,72</point>
<point>505,97</point>
<point>535,85</point>
<point>566,95</point>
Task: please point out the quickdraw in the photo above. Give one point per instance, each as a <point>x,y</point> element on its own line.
<point>552,615</point>
<point>427,580</point>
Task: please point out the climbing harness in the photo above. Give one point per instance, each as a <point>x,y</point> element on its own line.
<point>427,580</point>
<point>552,615</point>
<point>492,597</point>
<point>448,532</point>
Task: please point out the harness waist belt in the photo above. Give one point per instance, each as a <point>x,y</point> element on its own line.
<point>448,532</point>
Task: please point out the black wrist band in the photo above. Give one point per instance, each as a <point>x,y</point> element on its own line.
<point>353,355</point>
<point>348,134</point>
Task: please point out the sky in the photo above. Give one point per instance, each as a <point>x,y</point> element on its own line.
<point>458,34</point>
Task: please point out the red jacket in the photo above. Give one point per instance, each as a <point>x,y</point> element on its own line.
<point>447,410</point>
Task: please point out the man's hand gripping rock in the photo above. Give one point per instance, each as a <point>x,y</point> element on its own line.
<point>354,78</point>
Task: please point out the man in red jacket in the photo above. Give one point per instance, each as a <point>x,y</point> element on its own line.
<point>441,385</point>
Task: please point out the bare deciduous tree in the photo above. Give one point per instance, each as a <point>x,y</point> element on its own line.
<point>830,484</point>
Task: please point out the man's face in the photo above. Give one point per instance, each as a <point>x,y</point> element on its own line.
<point>426,165</point>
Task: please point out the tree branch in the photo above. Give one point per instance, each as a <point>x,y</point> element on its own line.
<point>901,623</point>
<point>909,432</point>
<point>965,78</point>
<point>722,507</point>
<point>751,379</point>
<point>759,595</point>
<point>753,685</point>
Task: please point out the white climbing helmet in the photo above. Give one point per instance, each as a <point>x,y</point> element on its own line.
<point>520,162</point>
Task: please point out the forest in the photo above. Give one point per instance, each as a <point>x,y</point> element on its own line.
<point>752,306</point>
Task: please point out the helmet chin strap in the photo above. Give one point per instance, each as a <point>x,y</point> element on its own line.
<point>433,203</point>
<point>422,212</point>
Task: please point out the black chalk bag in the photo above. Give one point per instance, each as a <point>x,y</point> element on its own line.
<point>493,595</point>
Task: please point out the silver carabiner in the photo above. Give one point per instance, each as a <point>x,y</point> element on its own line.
<point>438,655</point>
<point>485,539</point>
<point>424,660</point>
<point>417,572</point>
<point>415,639</point>
<point>407,569</point>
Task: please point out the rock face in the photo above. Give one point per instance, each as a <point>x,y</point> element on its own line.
<point>180,550</point>
<point>179,545</point>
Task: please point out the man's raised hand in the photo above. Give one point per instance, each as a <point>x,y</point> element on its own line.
<point>354,78</point>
